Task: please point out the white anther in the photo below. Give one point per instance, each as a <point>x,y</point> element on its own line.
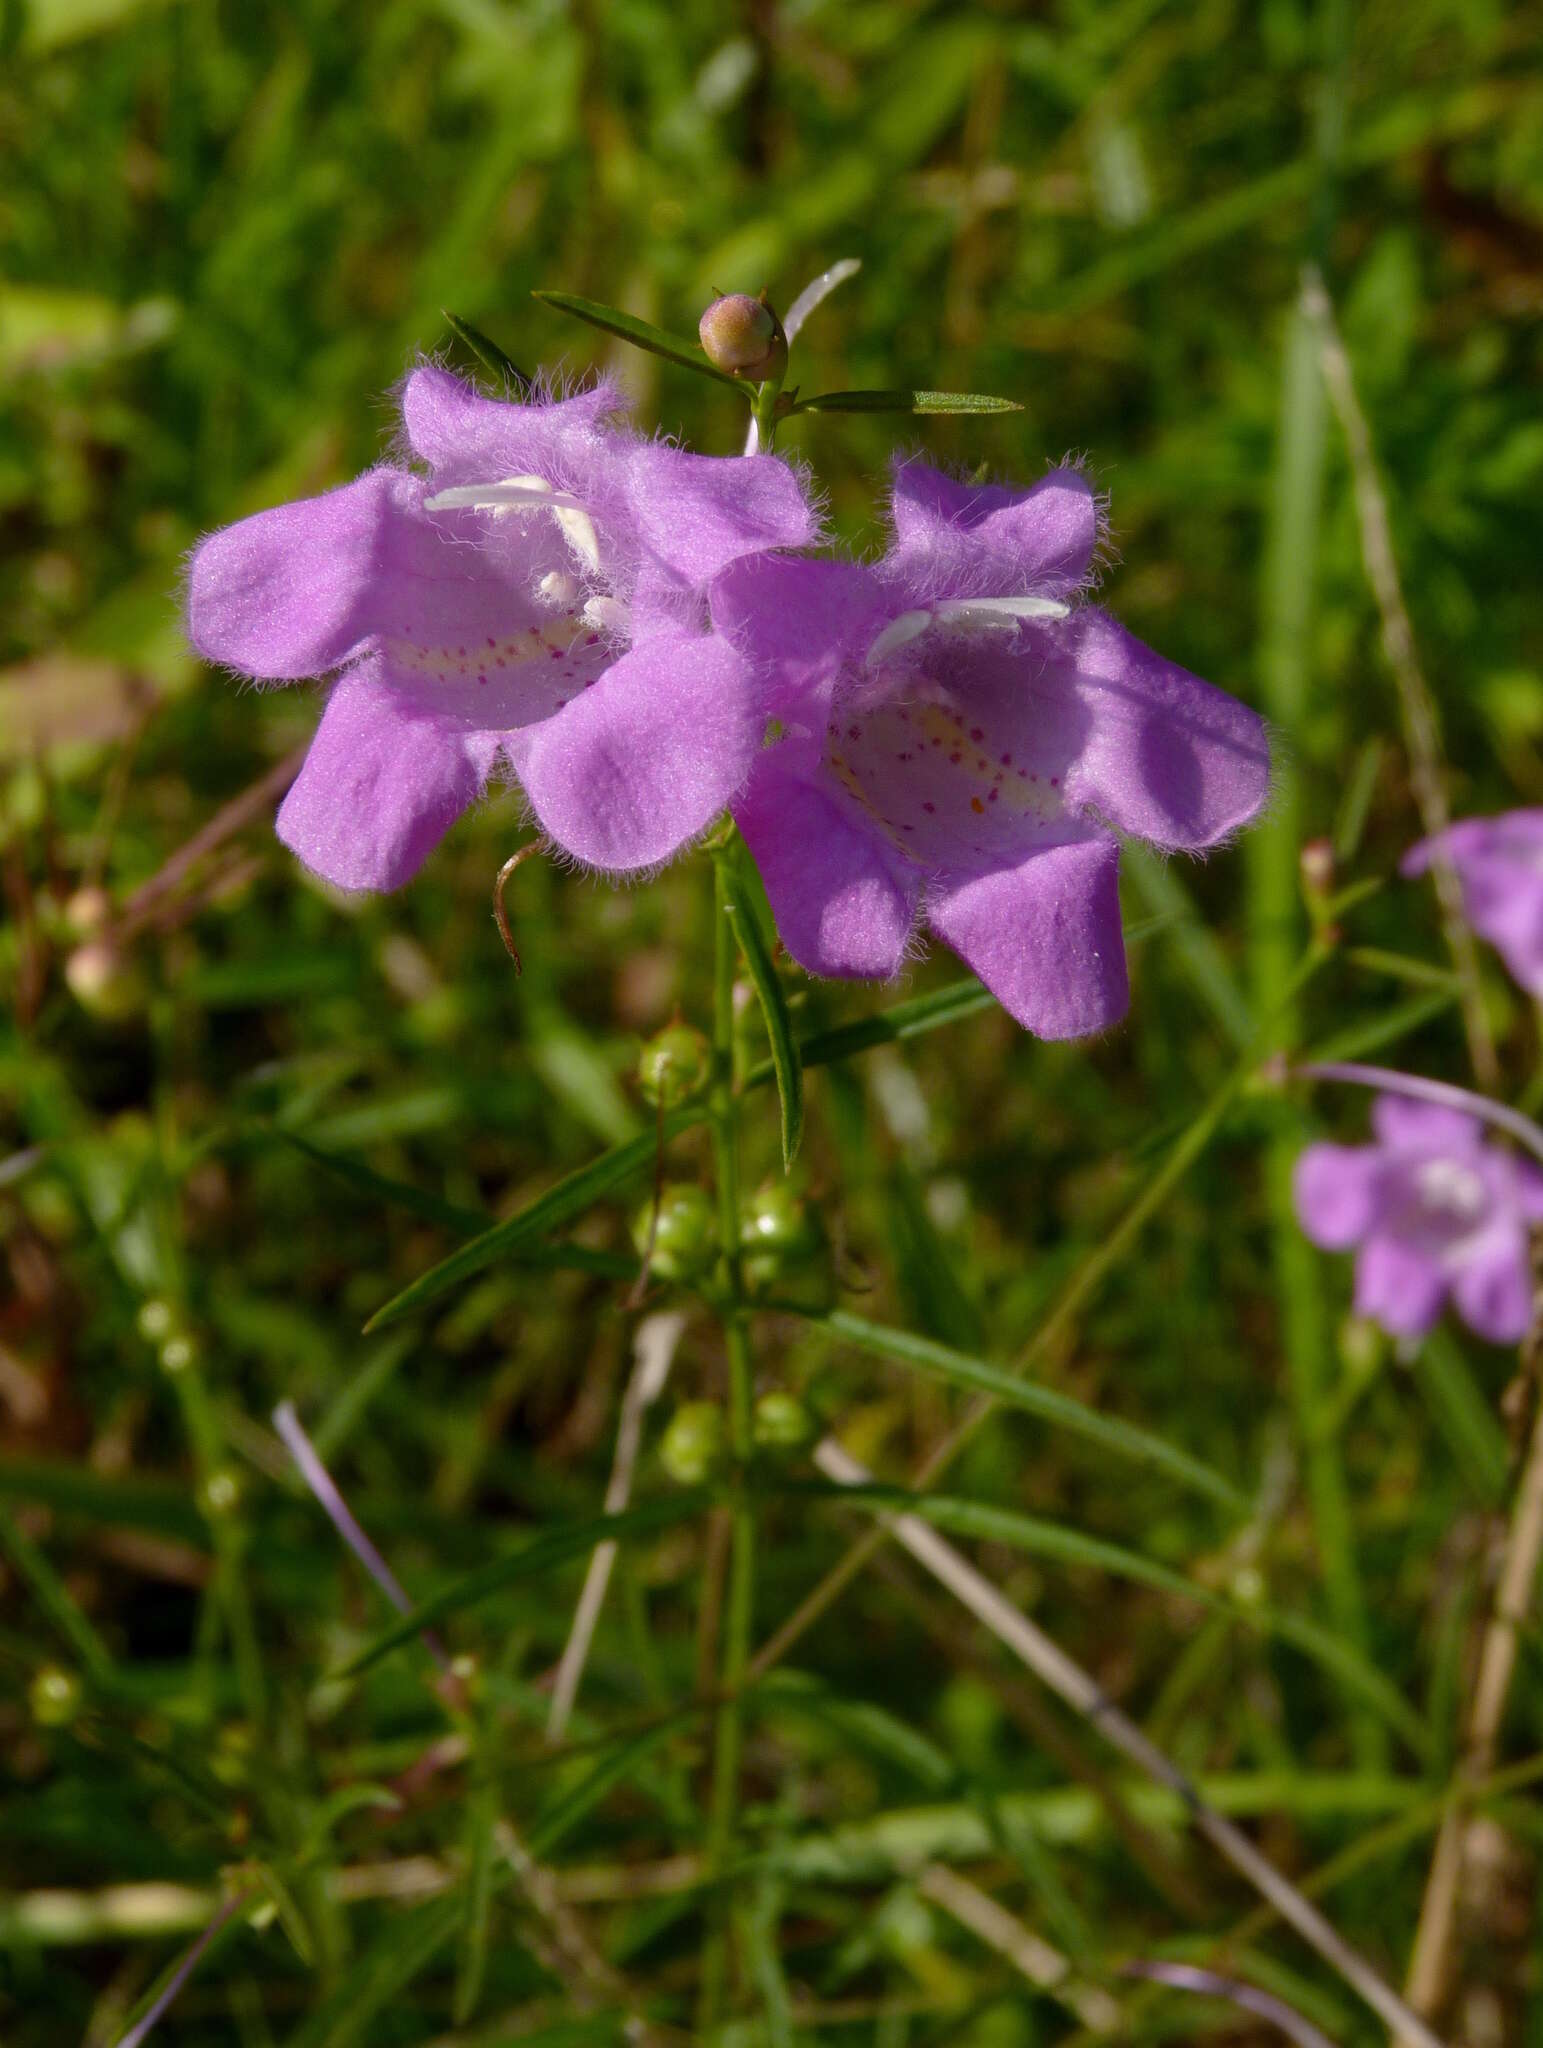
<point>899,632</point>
<point>1451,1190</point>
<point>997,612</point>
<point>526,494</point>
<point>558,587</point>
<point>607,615</point>
<point>962,615</point>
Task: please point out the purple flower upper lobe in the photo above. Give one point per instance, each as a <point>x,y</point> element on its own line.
<point>1499,864</point>
<point>1433,1211</point>
<point>961,741</point>
<point>538,597</point>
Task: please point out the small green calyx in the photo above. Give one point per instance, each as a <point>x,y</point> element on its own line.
<point>782,1423</point>
<point>744,336</point>
<point>685,1238</point>
<point>673,1065</point>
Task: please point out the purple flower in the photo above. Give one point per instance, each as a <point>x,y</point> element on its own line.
<point>1499,865</point>
<point>961,742</point>
<point>538,598</point>
<point>1435,1211</point>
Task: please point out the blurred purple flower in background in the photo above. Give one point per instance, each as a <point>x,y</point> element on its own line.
<point>958,740</point>
<point>538,599</point>
<point>1499,866</point>
<point>1434,1210</point>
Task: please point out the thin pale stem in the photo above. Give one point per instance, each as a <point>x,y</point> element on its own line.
<point>1442,1093</point>
<point>723,1118</point>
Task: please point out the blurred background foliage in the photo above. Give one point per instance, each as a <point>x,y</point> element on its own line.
<point>226,230</point>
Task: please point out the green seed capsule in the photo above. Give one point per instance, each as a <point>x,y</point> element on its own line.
<point>693,1445</point>
<point>686,1240</point>
<point>782,1422</point>
<point>673,1065</point>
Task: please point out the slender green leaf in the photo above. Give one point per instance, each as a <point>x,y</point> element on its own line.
<point>53,1597</point>
<point>642,335</point>
<point>489,354</point>
<point>542,1553</point>
<point>1121,1439</point>
<point>618,1766</point>
<point>560,1204</point>
<point>905,401</point>
<point>786,1064</point>
<point>1356,1040</point>
<point>481,1819</point>
<point>394,1194</point>
<point>911,1019</point>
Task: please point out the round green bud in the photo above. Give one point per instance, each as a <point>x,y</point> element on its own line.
<point>693,1445</point>
<point>105,981</point>
<point>54,1696</point>
<point>685,1243</point>
<point>782,1422</point>
<point>673,1065</point>
<point>743,335</point>
<point>775,1220</point>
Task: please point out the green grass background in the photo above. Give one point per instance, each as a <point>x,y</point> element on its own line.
<point>225,231</point>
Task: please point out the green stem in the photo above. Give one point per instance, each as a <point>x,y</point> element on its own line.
<point>766,414</point>
<point>740,1615</point>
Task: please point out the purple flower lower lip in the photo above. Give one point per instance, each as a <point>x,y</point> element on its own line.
<point>1432,1210</point>
<point>539,602</point>
<point>963,743</point>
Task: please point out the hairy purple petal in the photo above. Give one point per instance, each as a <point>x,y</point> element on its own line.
<point>1335,1187</point>
<point>1164,756</point>
<point>1398,1288</point>
<point>644,761</point>
<point>695,514</point>
<point>1403,1125</point>
<point>956,540</point>
<point>844,905</point>
<point>1499,865</point>
<point>1044,936</point>
<point>382,784</point>
<point>1493,1290</point>
<point>467,438</point>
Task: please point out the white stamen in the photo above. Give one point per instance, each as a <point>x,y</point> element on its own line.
<point>963,615</point>
<point>1451,1190</point>
<point>525,494</point>
<point>558,587</point>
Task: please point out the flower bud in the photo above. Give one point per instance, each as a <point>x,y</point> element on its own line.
<point>743,335</point>
<point>220,1493</point>
<point>782,1422</point>
<point>673,1065</point>
<point>693,1445</point>
<point>685,1243</point>
<point>54,1696</point>
<point>1317,863</point>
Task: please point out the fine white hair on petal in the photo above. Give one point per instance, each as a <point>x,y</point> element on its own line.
<point>814,294</point>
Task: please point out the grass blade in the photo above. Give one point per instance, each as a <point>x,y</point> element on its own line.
<point>786,1063</point>
<point>538,1554</point>
<point>1122,1439</point>
<point>611,320</point>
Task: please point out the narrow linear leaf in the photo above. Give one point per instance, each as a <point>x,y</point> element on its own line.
<point>618,1766</point>
<point>394,1194</point>
<point>786,1063</point>
<point>1123,1439</point>
<point>1038,1538</point>
<point>489,354</point>
<point>642,335</point>
<point>481,1819</point>
<point>560,1204</point>
<point>539,1554</point>
<point>518,1237</point>
<point>906,401</point>
<point>53,1597</point>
